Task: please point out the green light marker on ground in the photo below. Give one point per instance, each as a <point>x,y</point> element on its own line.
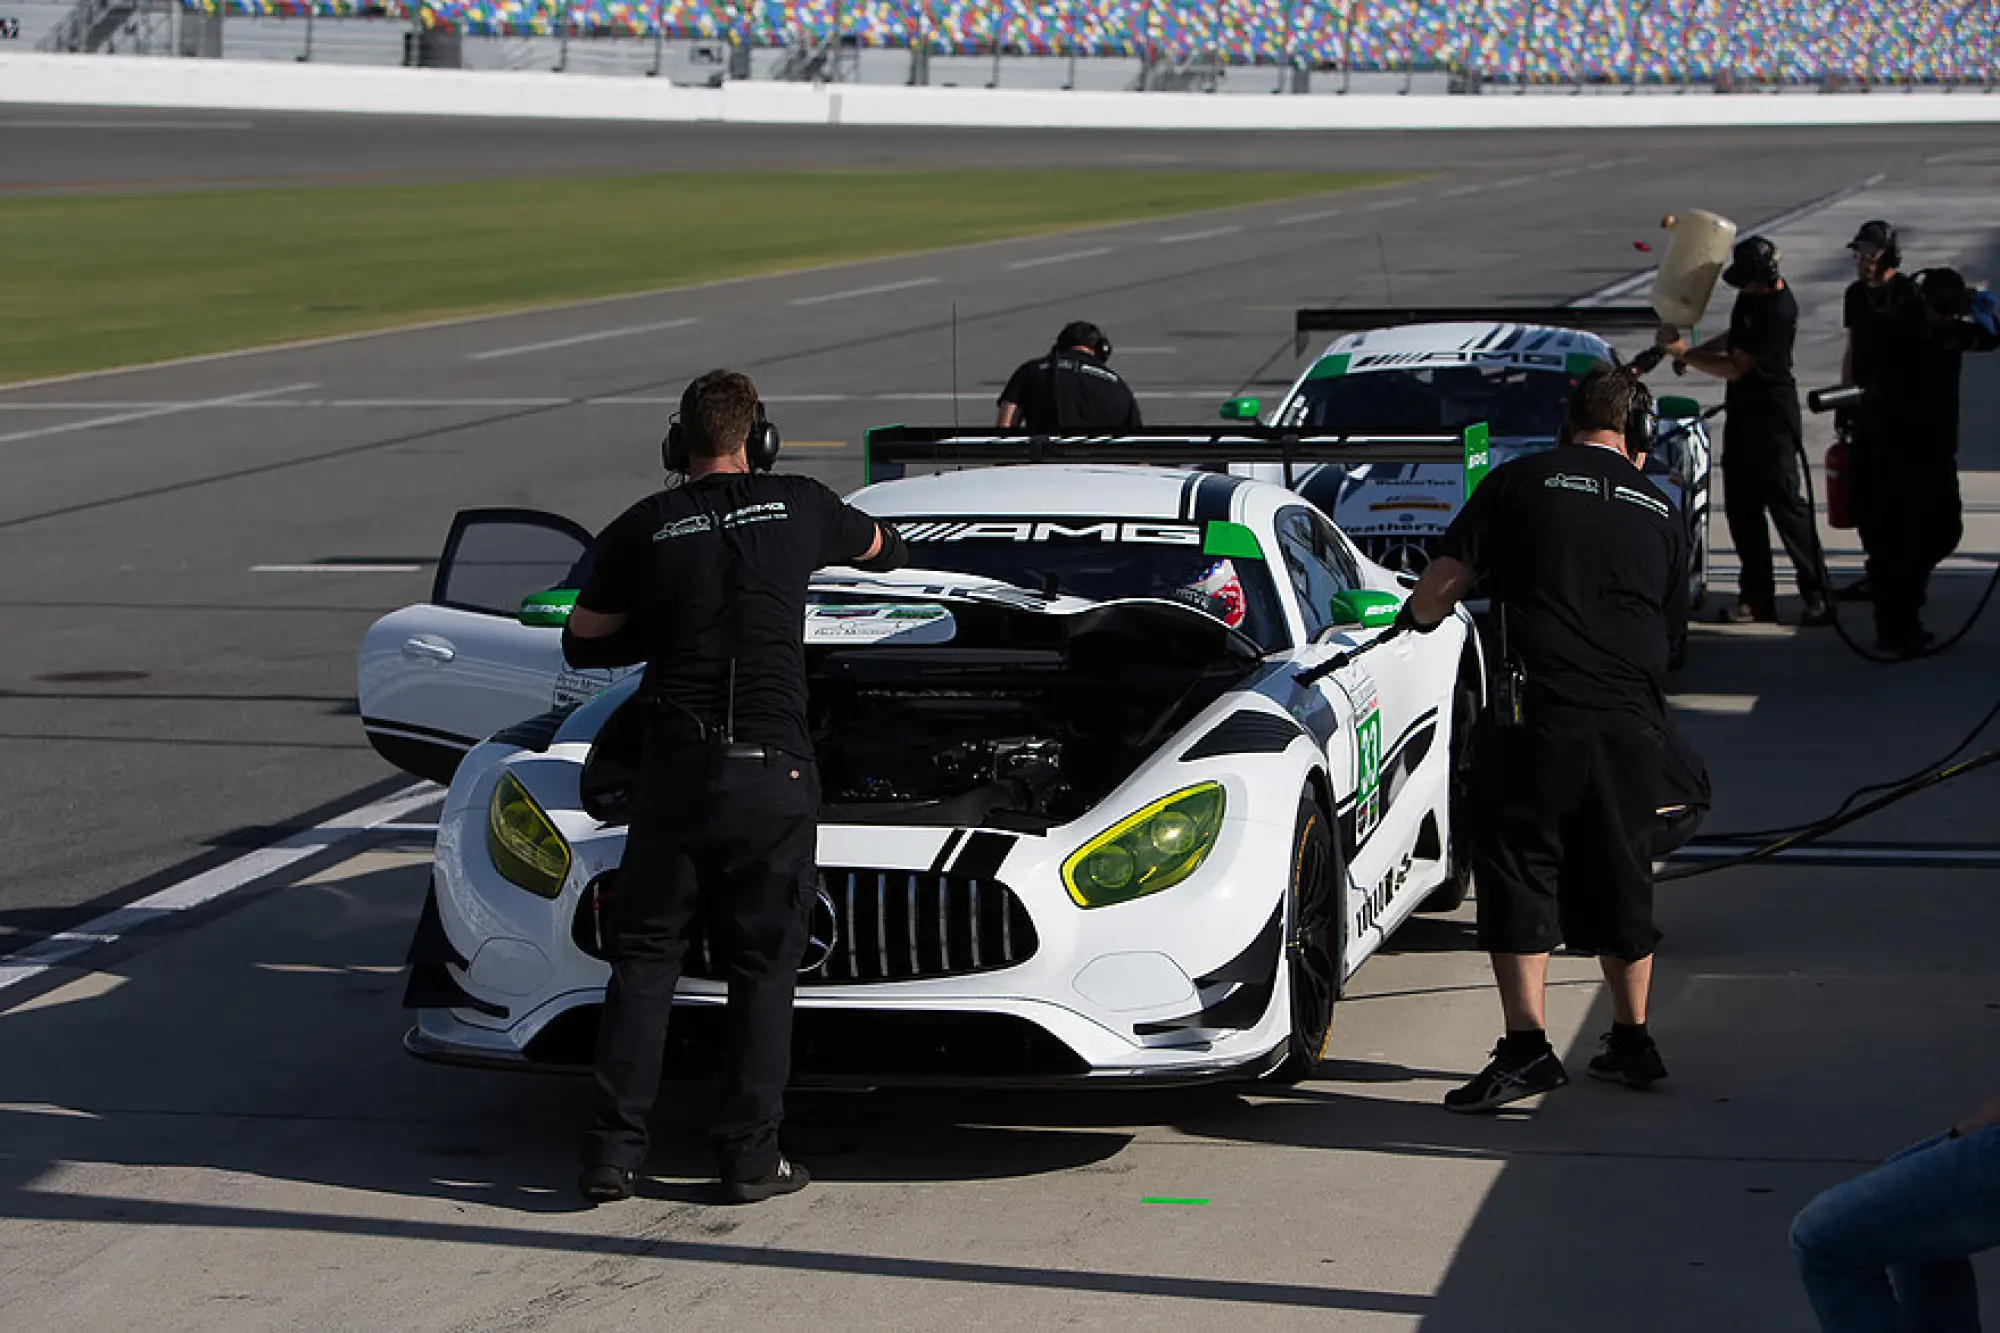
<point>1179,1203</point>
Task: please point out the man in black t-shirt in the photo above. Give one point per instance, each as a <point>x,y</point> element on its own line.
<point>1071,391</point>
<point>1587,561</point>
<point>1869,314</point>
<point>1762,435</point>
<point>706,584</point>
<point>1915,518</point>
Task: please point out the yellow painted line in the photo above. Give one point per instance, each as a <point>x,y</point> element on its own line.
<point>815,444</point>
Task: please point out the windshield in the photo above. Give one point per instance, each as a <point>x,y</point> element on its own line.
<point>1435,400</point>
<point>1108,558</point>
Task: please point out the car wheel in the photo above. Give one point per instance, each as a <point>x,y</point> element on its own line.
<point>1312,941</point>
<point>1457,885</point>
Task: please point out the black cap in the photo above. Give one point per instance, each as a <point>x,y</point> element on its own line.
<point>1755,260</point>
<point>1876,235</point>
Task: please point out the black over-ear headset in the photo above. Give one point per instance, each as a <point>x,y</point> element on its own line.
<point>760,447</point>
<point>1642,421</point>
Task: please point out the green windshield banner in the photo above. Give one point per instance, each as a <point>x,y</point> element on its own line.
<point>1478,458</point>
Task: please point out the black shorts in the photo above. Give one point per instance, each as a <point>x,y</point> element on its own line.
<point>1563,853</point>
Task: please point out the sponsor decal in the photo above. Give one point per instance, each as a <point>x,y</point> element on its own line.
<point>1410,502</point>
<point>877,622</point>
<point>685,527</point>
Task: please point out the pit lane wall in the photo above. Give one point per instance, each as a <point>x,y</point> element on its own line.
<point>157,82</point>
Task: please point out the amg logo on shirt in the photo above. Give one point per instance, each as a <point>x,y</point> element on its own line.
<point>1052,530</point>
<point>735,518</point>
<point>1563,481</point>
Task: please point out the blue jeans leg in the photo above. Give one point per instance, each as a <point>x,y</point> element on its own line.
<point>1887,1251</point>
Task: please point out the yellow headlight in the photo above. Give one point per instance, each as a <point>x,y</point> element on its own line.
<point>523,843</point>
<point>1154,849</point>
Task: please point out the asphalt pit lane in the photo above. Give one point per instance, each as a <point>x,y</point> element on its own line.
<point>92,677</point>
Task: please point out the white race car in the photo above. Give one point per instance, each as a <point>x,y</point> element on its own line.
<point>1082,820</point>
<point>1440,371</point>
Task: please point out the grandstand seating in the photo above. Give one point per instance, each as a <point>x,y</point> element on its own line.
<point>1509,41</point>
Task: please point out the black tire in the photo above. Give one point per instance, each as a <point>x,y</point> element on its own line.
<point>1312,941</point>
<point>1457,885</point>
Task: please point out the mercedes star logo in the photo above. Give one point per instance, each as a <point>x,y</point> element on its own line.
<point>1404,558</point>
<point>822,933</point>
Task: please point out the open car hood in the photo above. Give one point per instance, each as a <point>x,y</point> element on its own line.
<point>917,606</point>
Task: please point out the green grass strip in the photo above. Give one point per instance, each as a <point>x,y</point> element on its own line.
<point>1181,1203</point>
<point>108,280</point>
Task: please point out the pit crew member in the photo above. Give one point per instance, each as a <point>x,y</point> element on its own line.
<point>1877,289</point>
<point>1588,566</point>
<point>1070,391</point>
<point>706,584</point>
<point>1760,440</point>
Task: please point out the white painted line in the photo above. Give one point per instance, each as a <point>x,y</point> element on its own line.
<point>412,403</point>
<point>1560,173</point>
<point>1319,215</point>
<point>92,423</point>
<point>602,335</point>
<point>209,885</point>
<point>12,123</point>
<point>1062,258</point>
<point>1146,351</point>
<point>852,292</point>
<point>1381,205</point>
<point>394,827</point>
<point>1512,181</point>
<point>1208,234</point>
<point>1460,191</point>
<point>332,568</point>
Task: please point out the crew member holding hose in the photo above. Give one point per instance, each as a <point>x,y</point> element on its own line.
<point>1878,288</point>
<point>1762,435</point>
<point>1912,517</point>
<point>1587,562</point>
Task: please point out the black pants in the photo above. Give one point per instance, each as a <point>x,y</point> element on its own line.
<point>1914,520</point>
<point>1760,475</point>
<point>735,841</point>
<point>1563,850</point>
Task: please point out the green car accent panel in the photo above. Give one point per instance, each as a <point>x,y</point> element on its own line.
<point>1330,367</point>
<point>1231,540</point>
<point>1365,607</point>
<point>548,610</point>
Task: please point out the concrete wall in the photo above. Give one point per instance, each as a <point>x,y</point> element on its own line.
<point>121,81</point>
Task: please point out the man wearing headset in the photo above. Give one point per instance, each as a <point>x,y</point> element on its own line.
<point>1761,437</point>
<point>706,584</point>
<point>1071,391</point>
<point>1587,563</point>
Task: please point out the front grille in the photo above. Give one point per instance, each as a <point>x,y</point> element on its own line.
<point>1401,553</point>
<point>887,925</point>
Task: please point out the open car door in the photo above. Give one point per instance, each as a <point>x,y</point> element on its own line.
<point>485,651</point>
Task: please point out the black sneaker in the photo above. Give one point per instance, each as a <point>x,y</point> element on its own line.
<point>1902,646</point>
<point>789,1178</point>
<point>1505,1081</point>
<point>1818,614</point>
<point>1858,591</point>
<point>1635,1064</point>
<point>1745,614</point>
<point>605,1184</point>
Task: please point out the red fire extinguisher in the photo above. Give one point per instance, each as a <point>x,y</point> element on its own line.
<point>1839,484</point>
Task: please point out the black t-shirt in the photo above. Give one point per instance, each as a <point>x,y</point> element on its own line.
<point>1766,399</point>
<point>1588,563</point>
<point>1071,393</point>
<point>1868,314</point>
<point>716,570</point>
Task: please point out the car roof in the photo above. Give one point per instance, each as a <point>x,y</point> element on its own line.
<point>1395,348</point>
<point>1095,489</point>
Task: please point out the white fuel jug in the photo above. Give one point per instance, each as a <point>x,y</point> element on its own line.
<point>1695,258</point>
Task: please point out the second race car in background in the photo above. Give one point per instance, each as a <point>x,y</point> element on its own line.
<point>1441,371</point>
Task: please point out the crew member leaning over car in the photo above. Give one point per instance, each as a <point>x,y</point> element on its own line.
<point>706,584</point>
<point>1071,391</point>
<point>1588,567</point>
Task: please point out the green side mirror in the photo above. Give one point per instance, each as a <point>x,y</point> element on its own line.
<point>1241,409</point>
<point>1364,607</point>
<point>1676,408</point>
<point>548,610</point>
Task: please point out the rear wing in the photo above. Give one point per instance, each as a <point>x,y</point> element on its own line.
<point>886,451</point>
<point>1360,319</point>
